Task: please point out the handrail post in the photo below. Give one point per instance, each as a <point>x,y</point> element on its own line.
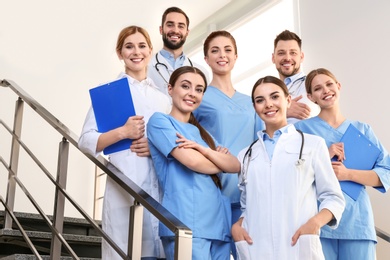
<point>135,231</point>
<point>59,203</point>
<point>14,161</point>
<point>183,245</point>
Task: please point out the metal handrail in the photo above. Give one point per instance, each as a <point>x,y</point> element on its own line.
<point>22,231</point>
<point>38,208</point>
<point>182,232</point>
<point>382,234</point>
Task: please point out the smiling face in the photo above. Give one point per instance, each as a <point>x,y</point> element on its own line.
<point>135,53</point>
<point>287,58</point>
<point>221,55</point>
<point>187,93</point>
<point>271,103</point>
<point>324,91</point>
<point>174,31</point>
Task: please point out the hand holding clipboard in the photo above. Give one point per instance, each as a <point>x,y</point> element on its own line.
<point>360,154</point>
<point>112,105</point>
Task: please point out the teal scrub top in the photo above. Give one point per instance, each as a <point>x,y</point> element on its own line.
<point>191,196</point>
<point>357,221</point>
<point>234,124</point>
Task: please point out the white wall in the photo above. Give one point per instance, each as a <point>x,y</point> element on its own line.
<point>56,51</point>
<point>351,38</point>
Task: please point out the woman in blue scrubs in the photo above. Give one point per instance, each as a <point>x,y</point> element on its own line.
<point>355,238</point>
<point>226,113</point>
<point>188,163</point>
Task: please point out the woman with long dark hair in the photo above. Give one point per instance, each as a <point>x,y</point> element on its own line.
<point>189,163</point>
<point>283,175</point>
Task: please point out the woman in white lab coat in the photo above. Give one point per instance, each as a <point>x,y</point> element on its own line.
<point>283,175</point>
<point>134,48</point>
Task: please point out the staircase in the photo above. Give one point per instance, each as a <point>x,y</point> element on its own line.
<point>30,236</point>
<point>80,235</point>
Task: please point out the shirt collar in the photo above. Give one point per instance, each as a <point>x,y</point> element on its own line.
<point>293,78</point>
<point>166,54</point>
<point>133,81</point>
<point>175,63</point>
<point>277,133</point>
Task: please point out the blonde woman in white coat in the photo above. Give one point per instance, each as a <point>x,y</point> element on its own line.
<point>134,48</point>
<point>280,185</point>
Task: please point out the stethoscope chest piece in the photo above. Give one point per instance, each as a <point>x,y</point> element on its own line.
<point>300,162</point>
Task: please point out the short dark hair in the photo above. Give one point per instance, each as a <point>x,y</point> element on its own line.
<point>286,35</point>
<point>174,9</point>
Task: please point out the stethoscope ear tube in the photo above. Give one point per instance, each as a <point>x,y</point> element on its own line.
<point>300,160</point>
<point>248,155</point>
<point>158,63</point>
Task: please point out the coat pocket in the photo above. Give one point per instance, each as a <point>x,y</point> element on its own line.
<point>242,249</point>
<point>309,247</point>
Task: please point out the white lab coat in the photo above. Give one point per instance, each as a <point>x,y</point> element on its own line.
<point>297,88</point>
<point>116,207</point>
<point>161,81</point>
<point>280,196</point>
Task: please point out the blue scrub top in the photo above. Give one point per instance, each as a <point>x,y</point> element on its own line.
<point>357,221</point>
<point>234,123</point>
<point>191,196</point>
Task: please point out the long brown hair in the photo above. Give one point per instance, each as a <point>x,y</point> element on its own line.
<point>215,34</point>
<point>203,133</point>
<point>269,79</point>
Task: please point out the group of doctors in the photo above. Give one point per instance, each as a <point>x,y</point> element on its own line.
<point>234,168</point>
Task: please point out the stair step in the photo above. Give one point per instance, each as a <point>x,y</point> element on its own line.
<point>32,257</point>
<point>12,241</point>
<point>35,222</point>
<point>45,235</point>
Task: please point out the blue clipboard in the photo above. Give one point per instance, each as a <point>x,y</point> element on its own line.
<point>112,104</point>
<point>360,154</point>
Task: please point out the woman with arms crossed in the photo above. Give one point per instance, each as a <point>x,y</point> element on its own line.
<point>188,164</point>
<point>134,48</point>
<point>355,238</point>
<point>283,175</point>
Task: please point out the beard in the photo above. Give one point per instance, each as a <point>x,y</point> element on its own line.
<point>289,74</point>
<point>171,45</point>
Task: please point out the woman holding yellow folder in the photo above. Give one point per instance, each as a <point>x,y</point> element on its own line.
<point>355,238</point>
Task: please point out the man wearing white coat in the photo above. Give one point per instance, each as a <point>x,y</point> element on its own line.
<point>174,31</point>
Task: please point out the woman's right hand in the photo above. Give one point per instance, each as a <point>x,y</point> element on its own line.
<point>222,149</point>
<point>239,233</point>
<point>134,128</point>
<point>337,149</point>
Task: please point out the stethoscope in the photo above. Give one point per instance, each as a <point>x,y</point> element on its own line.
<point>158,63</point>
<point>248,155</point>
<point>296,82</point>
